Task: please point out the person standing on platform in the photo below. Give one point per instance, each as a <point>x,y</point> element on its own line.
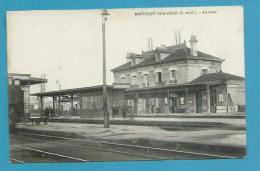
<point>47,113</point>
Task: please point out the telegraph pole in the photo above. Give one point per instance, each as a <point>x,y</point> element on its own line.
<point>105,107</point>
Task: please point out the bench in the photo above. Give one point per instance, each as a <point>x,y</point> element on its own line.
<point>37,119</point>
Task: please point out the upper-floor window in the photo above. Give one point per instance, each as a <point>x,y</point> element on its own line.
<point>145,80</point>
<point>134,80</point>
<point>173,75</point>
<point>158,76</point>
<point>16,82</point>
<point>122,79</point>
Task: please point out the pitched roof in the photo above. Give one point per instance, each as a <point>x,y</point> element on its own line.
<point>177,53</point>
<point>215,77</point>
<point>122,67</point>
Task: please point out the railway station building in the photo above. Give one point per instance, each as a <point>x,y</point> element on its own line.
<point>168,79</point>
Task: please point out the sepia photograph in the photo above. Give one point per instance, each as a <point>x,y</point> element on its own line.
<point>126,84</point>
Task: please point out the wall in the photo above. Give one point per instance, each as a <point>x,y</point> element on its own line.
<point>26,90</point>
<point>236,89</point>
<point>92,105</point>
<point>186,71</point>
<point>16,101</point>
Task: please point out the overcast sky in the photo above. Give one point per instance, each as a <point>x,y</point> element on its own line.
<point>67,45</point>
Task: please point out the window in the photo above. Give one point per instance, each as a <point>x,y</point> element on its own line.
<point>221,98</point>
<point>182,100</point>
<point>166,100</point>
<point>133,80</point>
<point>145,80</point>
<point>159,77</point>
<point>16,82</point>
<point>122,80</point>
<point>173,75</point>
<point>157,102</point>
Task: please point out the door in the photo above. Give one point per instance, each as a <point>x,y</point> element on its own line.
<point>199,103</point>
<point>174,101</point>
<point>213,101</point>
<point>135,105</point>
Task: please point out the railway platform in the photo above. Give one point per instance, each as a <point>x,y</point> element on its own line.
<point>204,139</point>
<point>175,122</point>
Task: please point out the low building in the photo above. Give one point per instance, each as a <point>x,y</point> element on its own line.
<point>19,93</point>
<point>209,93</point>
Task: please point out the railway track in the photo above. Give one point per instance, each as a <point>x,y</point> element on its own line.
<point>97,148</point>
<point>70,158</point>
<point>127,148</point>
<point>46,154</point>
<point>16,160</point>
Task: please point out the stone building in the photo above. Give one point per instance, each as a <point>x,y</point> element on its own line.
<point>177,79</point>
<point>169,79</point>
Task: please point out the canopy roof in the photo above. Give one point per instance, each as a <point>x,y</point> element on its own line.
<point>216,77</point>
<point>27,79</point>
<point>98,88</point>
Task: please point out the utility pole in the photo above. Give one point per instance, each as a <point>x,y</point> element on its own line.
<point>105,107</point>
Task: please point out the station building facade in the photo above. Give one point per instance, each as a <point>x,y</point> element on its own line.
<point>178,79</point>
<point>168,79</point>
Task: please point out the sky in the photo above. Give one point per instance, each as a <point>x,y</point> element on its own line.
<point>66,45</point>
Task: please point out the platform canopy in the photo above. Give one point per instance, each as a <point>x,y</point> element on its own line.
<point>217,77</point>
<point>75,91</point>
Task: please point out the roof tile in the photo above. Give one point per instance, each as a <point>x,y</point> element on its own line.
<point>179,53</point>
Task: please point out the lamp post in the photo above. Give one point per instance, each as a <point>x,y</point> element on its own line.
<point>105,108</point>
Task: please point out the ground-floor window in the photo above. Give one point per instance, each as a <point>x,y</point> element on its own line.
<point>182,100</point>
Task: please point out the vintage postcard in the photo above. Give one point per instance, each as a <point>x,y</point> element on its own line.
<point>126,84</point>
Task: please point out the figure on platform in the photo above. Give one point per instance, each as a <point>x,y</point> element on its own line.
<point>46,113</point>
<point>124,110</point>
<point>52,112</point>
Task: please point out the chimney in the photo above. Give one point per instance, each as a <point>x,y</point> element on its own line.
<point>129,56</point>
<point>193,45</point>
